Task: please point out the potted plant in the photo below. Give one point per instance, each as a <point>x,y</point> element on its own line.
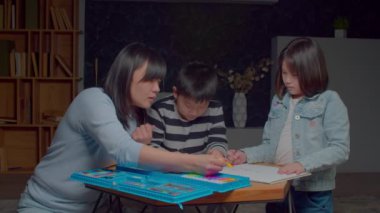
<point>341,25</point>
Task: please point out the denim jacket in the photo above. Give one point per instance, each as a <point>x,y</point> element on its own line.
<point>320,138</point>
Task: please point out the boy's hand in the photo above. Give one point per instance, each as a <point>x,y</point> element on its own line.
<point>143,134</point>
<point>291,168</point>
<point>236,156</point>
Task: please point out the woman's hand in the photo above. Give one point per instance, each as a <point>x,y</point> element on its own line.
<point>180,162</point>
<point>207,164</point>
<point>216,153</point>
<point>236,156</point>
<point>291,168</point>
<point>143,134</point>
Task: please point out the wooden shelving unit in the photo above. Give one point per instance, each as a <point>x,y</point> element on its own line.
<point>38,76</point>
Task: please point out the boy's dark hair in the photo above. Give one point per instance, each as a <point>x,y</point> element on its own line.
<point>305,58</point>
<point>198,81</point>
<point>118,81</point>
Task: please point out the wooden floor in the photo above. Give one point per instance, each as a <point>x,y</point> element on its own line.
<point>365,184</point>
<point>12,185</point>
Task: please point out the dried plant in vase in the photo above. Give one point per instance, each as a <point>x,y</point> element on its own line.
<point>243,82</point>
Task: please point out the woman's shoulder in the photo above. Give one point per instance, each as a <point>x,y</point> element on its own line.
<point>92,95</point>
<point>92,92</point>
<point>92,101</point>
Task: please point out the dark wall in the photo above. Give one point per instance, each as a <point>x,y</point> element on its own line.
<point>229,35</point>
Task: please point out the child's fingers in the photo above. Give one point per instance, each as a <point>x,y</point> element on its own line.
<point>149,129</point>
<point>145,130</point>
<point>231,154</point>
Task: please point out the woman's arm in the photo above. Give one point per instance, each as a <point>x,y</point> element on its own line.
<point>179,162</point>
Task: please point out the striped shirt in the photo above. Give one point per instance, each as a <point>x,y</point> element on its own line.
<point>199,136</point>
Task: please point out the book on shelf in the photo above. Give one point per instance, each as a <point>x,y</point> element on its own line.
<point>1,16</point>
<point>7,14</point>
<point>175,188</point>
<point>31,14</point>
<point>23,64</point>
<point>20,64</point>
<point>261,173</point>
<point>12,16</point>
<point>12,63</point>
<point>6,49</point>
<point>45,64</point>
<point>34,64</point>
<point>64,66</point>
<point>54,18</point>
<point>65,18</point>
<point>59,17</point>
<point>52,116</point>
<point>7,121</point>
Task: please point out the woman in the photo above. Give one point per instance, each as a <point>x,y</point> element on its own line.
<point>102,127</point>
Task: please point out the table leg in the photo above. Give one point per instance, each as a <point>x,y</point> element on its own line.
<point>235,208</point>
<point>144,208</point>
<point>119,206</point>
<point>290,201</point>
<point>97,202</point>
<point>212,208</point>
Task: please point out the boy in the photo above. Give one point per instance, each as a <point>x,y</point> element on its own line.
<point>189,121</point>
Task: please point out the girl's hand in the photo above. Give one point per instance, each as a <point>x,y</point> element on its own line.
<point>236,156</point>
<point>291,168</point>
<point>143,134</point>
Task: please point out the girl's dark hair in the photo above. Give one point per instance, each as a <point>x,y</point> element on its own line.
<point>118,80</point>
<point>197,80</point>
<point>305,59</point>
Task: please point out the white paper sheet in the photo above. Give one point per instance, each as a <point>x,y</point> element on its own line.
<point>260,173</point>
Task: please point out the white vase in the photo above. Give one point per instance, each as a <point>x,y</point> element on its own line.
<point>340,33</point>
<point>239,109</point>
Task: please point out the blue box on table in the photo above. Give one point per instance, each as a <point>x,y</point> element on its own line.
<point>175,188</point>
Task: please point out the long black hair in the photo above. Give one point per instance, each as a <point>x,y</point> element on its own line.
<point>118,81</point>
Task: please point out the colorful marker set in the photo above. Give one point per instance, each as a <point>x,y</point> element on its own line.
<point>217,183</point>
<point>167,187</point>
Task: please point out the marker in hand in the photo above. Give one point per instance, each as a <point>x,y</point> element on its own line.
<point>228,164</point>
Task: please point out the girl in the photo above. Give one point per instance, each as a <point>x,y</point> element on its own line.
<point>307,128</point>
<point>102,127</point>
